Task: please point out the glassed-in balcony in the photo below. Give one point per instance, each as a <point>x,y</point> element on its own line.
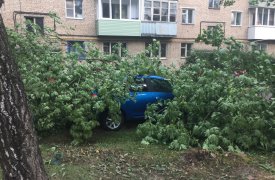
<point>158,29</point>
<point>262,23</point>
<point>118,18</point>
<point>152,18</point>
<point>159,18</point>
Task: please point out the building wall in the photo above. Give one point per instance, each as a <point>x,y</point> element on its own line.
<point>82,27</point>
<point>203,14</point>
<point>271,48</point>
<point>85,29</point>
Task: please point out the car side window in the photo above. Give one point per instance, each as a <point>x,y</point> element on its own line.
<point>158,85</point>
<point>139,85</point>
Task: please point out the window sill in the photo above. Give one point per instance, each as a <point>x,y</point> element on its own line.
<point>150,21</point>
<point>188,24</point>
<point>212,8</point>
<point>236,25</point>
<point>163,58</point>
<point>118,19</point>
<point>74,18</point>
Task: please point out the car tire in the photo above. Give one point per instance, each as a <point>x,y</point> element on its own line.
<point>108,124</point>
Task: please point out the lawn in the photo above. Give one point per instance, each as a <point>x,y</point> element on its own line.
<point>120,155</point>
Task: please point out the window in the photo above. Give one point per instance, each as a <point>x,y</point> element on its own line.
<point>35,23</point>
<point>211,28</point>
<point>261,46</point>
<point>262,16</point>
<point>162,51</point>
<point>76,47</point>
<point>74,9</point>
<point>150,85</point>
<point>173,12</point>
<point>159,52</point>
<point>185,49</point>
<point>236,18</point>
<point>188,16</point>
<point>115,48</point>
<point>164,11</point>
<point>214,4</point>
<point>271,17</point>
<point>116,9</point>
<point>157,85</point>
<point>156,11</point>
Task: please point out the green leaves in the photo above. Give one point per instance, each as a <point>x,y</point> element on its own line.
<point>223,101</point>
<point>59,86</point>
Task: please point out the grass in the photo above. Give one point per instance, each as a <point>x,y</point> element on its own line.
<point>120,155</point>
<point>109,155</point>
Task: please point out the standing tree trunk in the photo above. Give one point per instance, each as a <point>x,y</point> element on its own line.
<point>20,157</point>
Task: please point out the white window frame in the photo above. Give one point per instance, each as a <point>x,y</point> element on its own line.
<point>212,6</point>
<point>187,15</point>
<point>159,50</point>
<point>169,10</point>
<point>254,17</point>
<point>74,4</point>
<point>111,47</point>
<point>261,23</point>
<point>262,46</point>
<point>71,49</point>
<point>186,48</point>
<point>35,23</point>
<point>234,15</point>
<point>100,10</point>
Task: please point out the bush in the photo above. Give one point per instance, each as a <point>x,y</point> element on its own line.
<point>58,85</point>
<point>222,101</point>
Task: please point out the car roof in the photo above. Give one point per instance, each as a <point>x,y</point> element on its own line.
<point>150,77</point>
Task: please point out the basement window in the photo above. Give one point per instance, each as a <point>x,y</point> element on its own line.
<point>77,47</point>
<point>116,48</point>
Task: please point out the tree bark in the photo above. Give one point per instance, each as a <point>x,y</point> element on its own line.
<point>20,157</point>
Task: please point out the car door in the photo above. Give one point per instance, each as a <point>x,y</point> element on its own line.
<point>149,91</point>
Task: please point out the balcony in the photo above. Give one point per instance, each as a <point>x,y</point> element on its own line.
<point>116,27</point>
<point>261,32</point>
<point>125,18</point>
<point>158,29</point>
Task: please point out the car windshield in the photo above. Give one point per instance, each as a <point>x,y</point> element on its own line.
<point>158,85</point>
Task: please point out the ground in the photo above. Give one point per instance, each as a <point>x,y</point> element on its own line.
<point>120,155</point>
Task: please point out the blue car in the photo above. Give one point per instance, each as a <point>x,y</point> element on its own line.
<point>145,91</point>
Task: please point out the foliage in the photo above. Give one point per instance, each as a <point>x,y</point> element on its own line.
<point>58,85</point>
<point>223,101</point>
<point>267,2</point>
<point>213,36</point>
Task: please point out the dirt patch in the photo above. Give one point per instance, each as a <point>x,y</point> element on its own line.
<point>203,164</point>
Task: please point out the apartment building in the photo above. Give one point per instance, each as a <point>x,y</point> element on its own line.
<point>135,23</point>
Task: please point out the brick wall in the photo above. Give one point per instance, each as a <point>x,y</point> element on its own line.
<point>82,27</point>
<point>85,28</point>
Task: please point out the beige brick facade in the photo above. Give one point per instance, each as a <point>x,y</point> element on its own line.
<point>84,29</point>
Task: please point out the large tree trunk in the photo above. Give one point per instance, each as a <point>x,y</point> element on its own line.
<point>20,157</point>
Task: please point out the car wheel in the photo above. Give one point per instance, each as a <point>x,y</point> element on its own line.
<point>109,124</point>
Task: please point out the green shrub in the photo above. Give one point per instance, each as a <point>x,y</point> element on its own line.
<point>58,85</point>
<point>222,101</point>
